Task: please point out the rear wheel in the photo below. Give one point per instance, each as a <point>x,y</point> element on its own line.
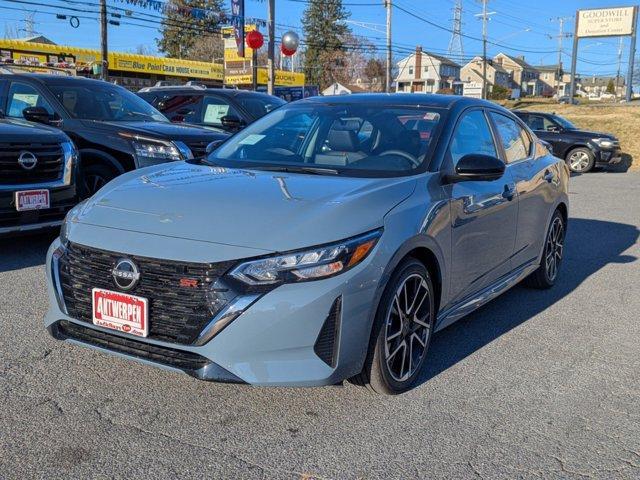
<point>402,331</point>
<point>94,177</point>
<point>581,160</point>
<point>547,273</point>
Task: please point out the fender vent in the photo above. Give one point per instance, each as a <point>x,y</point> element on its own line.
<point>326,346</point>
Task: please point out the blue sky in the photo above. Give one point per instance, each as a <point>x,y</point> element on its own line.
<point>528,27</point>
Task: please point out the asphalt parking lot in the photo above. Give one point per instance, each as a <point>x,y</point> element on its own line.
<point>536,384</point>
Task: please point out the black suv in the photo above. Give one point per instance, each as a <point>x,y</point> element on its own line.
<point>580,148</point>
<point>224,108</point>
<point>114,130</point>
<point>38,169</point>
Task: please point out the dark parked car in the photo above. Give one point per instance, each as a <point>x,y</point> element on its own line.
<point>114,130</point>
<point>224,108</point>
<point>580,148</point>
<point>38,170</point>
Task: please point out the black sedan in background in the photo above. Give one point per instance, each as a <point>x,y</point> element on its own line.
<point>228,109</point>
<point>115,130</point>
<point>582,149</point>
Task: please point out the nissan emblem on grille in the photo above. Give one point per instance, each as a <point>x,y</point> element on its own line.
<point>27,160</point>
<point>125,274</point>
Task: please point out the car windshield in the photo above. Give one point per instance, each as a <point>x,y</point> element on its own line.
<point>348,139</point>
<point>259,106</point>
<point>103,101</point>
<point>564,123</point>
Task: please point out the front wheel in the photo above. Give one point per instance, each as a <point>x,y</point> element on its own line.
<point>94,177</point>
<point>402,331</point>
<point>581,160</point>
<point>547,273</point>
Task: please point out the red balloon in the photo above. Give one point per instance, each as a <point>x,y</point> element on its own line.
<point>286,52</point>
<point>254,39</point>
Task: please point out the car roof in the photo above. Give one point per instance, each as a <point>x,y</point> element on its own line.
<point>49,78</point>
<point>228,92</point>
<point>401,99</point>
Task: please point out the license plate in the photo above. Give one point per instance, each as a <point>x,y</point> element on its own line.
<point>120,311</point>
<point>32,200</point>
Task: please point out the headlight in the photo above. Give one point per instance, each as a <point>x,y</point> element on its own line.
<point>315,263</point>
<point>151,151</point>
<point>603,142</point>
<point>71,156</point>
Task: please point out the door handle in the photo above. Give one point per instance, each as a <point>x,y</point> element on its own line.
<point>509,192</point>
<point>548,176</point>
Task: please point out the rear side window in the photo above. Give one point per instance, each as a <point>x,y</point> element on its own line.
<point>22,96</point>
<point>214,108</point>
<point>472,136</point>
<point>515,141</point>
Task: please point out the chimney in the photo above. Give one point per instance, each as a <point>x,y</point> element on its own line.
<point>418,69</point>
<point>521,57</point>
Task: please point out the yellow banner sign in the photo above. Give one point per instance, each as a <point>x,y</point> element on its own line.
<point>283,78</point>
<point>117,61</point>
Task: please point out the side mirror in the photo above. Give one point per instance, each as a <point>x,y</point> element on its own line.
<point>475,166</point>
<point>231,122</point>
<point>36,114</point>
<point>184,112</point>
<point>213,145</point>
<point>553,128</point>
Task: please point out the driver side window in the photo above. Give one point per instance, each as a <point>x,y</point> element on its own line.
<point>22,96</point>
<point>472,135</point>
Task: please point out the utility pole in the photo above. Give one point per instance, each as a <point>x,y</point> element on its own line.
<point>560,36</point>
<point>271,48</point>
<point>485,16</point>
<point>387,4</point>
<point>619,62</point>
<point>103,41</point>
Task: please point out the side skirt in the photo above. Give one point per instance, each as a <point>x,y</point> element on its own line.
<point>475,301</point>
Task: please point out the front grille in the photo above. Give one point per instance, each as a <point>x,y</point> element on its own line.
<point>326,346</point>
<point>166,356</point>
<point>199,149</point>
<point>177,314</point>
<point>49,167</point>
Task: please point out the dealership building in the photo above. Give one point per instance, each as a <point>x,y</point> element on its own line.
<point>130,70</point>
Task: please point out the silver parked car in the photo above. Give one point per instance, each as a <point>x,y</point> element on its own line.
<point>326,241</point>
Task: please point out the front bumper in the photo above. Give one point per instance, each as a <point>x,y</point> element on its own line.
<point>61,199</point>
<point>274,342</point>
<point>609,156</point>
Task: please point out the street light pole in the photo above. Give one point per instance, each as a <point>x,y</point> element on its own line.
<point>271,48</point>
<point>387,4</point>
<point>104,75</point>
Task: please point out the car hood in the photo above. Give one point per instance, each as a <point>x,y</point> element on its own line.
<point>247,208</point>
<point>588,134</point>
<point>21,131</point>
<point>165,130</point>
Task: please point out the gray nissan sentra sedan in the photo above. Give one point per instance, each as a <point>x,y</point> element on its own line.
<point>327,241</point>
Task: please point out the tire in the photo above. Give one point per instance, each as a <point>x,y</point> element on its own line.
<point>580,160</point>
<point>543,277</point>
<point>384,371</point>
<point>94,176</point>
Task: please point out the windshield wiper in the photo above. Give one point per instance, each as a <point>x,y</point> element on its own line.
<point>295,169</point>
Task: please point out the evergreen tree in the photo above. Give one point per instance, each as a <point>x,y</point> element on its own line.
<point>611,87</point>
<point>324,32</point>
<point>182,34</point>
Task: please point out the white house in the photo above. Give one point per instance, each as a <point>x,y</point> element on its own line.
<point>425,72</point>
<point>340,89</point>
